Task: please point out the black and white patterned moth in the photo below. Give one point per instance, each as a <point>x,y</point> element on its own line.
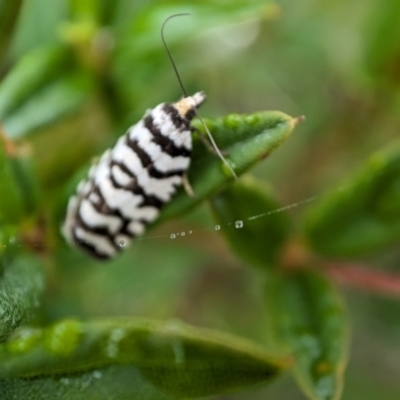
<point>127,188</point>
<point>131,182</point>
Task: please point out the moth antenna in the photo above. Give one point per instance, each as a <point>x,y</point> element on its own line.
<point>169,51</point>
<point>217,150</point>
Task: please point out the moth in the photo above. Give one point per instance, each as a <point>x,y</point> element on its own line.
<point>131,182</point>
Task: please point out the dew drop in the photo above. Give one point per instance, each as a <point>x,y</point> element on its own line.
<point>239,224</point>
<point>121,243</point>
<point>97,374</point>
<point>11,240</point>
<point>190,232</point>
<point>173,236</point>
<point>217,227</point>
<point>183,233</point>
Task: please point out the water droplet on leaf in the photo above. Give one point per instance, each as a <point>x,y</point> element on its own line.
<point>97,374</point>
<point>239,224</point>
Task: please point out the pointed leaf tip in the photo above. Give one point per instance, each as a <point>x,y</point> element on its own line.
<point>299,119</point>
<point>247,139</point>
<point>173,358</point>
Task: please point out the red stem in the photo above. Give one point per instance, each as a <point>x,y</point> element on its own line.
<point>360,276</point>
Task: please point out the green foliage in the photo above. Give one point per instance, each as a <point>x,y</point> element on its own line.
<point>172,357</point>
<point>257,239</point>
<point>76,76</point>
<point>21,289</point>
<point>309,321</point>
<point>53,102</point>
<point>8,15</point>
<point>246,138</point>
<point>364,214</point>
<point>30,73</point>
<point>18,185</point>
<point>11,203</point>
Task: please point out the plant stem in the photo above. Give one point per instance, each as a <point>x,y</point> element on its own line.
<point>361,276</point>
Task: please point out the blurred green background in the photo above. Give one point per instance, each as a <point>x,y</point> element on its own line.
<point>336,63</point>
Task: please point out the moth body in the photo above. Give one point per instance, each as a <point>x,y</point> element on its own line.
<point>126,189</point>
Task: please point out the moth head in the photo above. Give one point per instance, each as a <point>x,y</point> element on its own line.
<point>187,105</point>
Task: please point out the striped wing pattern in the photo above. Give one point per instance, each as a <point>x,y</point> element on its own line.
<point>125,190</point>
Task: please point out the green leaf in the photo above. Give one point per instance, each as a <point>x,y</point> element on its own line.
<point>8,246</point>
<point>11,203</point>
<point>60,98</point>
<point>81,9</point>
<point>246,216</point>
<point>146,22</point>
<point>29,75</point>
<point>9,10</point>
<point>110,383</point>
<point>174,358</point>
<point>18,185</point>
<point>98,11</point>
<point>138,42</point>
<point>24,174</point>
<point>364,215</point>
<point>38,25</point>
<point>246,138</point>
<point>382,43</point>
<point>309,320</point>
<point>21,286</point>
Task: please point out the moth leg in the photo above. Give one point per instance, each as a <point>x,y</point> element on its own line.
<point>207,144</point>
<point>187,186</point>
